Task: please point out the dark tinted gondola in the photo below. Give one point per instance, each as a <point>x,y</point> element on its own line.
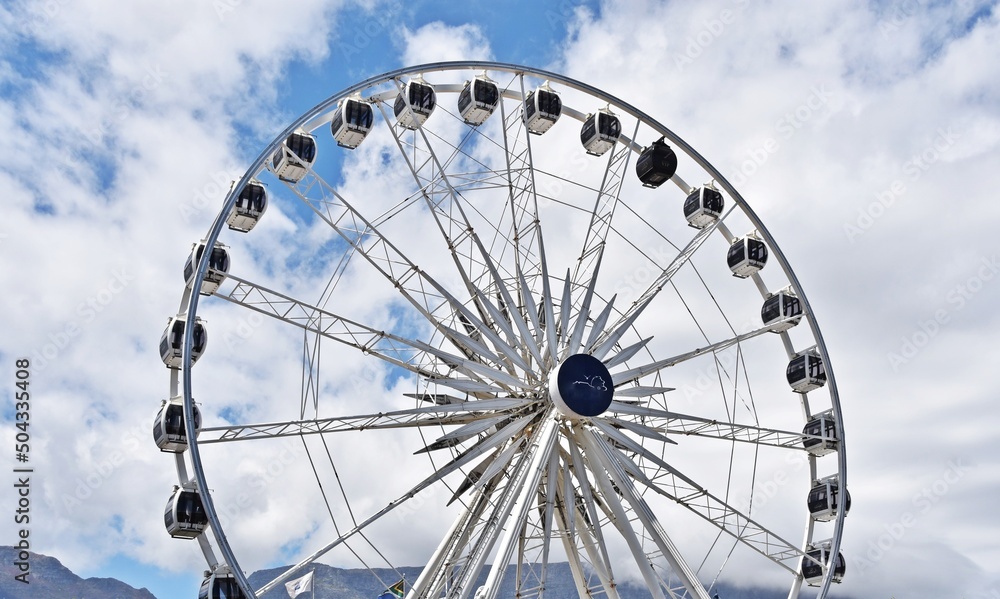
<point>172,341</point>
<point>805,372</point>
<point>168,426</point>
<point>656,164</point>
<point>600,132</point>
<point>542,108</point>
<point>812,572</point>
<point>218,266</point>
<point>478,100</point>
<point>822,434</point>
<point>783,307</point>
<point>294,158</point>
<point>185,516</point>
<point>825,499</point>
<point>414,104</point>
<point>351,122</point>
<point>703,207</point>
<point>249,207</point>
<point>220,584</point>
<point>746,256</point>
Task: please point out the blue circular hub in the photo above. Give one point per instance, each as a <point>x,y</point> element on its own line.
<point>581,386</point>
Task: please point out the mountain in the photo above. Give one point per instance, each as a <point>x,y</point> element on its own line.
<point>49,579</point>
<point>330,582</point>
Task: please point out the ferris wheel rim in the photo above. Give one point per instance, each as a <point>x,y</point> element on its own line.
<point>192,300</point>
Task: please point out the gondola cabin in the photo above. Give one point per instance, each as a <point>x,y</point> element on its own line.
<point>783,307</point>
<point>169,432</point>
<point>218,266</point>
<point>249,207</point>
<point>703,207</point>
<point>820,434</point>
<point>825,499</point>
<point>478,99</point>
<point>220,584</point>
<point>656,164</point>
<point>293,159</point>
<point>542,108</point>
<point>414,104</point>
<point>747,255</point>
<point>351,122</point>
<point>600,132</point>
<point>172,341</point>
<point>805,372</point>
<point>185,516</point>
<point>813,572</point>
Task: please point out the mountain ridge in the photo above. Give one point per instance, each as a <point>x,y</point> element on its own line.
<point>49,579</point>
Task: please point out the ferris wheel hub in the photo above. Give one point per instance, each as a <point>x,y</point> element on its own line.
<point>581,387</point>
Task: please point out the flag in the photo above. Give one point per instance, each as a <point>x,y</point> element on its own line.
<point>396,591</point>
<point>300,585</point>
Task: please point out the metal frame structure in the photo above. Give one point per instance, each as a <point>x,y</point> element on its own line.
<point>531,474</point>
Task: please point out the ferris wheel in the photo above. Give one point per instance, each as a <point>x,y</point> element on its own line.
<point>495,322</point>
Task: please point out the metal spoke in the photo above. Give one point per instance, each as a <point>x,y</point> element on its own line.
<point>695,426</point>
<point>684,490</point>
<point>604,453</point>
<point>399,351</point>
<point>604,343</point>
<point>634,374</point>
<point>458,413</point>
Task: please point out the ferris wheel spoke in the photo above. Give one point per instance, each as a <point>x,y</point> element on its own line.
<point>506,433</point>
<point>620,519</point>
<point>528,478</point>
<point>458,232</point>
<point>695,426</point>
<point>603,345</point>
<point>566,528</point>
<point>626,353</point>
<point>604,453</point>
<point>710,508</point>
<point>582,314</point>
<point>634,374</point>
<point>589,523</point>
<point>413,355</point>
<point>588,264</point>
<point>438,415</point>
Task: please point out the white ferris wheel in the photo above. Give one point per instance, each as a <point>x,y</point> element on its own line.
<point>507,322</point>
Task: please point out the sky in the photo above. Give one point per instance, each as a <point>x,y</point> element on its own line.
<point>865,136</point>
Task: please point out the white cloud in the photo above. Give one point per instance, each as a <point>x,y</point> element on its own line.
<point>437,42</point>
